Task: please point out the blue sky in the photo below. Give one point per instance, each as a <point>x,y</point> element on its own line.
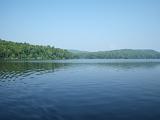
<point>82,24</point>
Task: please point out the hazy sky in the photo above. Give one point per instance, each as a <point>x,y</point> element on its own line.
<point>82,24</point>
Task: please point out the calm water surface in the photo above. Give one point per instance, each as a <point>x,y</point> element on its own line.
<point>80,90</point>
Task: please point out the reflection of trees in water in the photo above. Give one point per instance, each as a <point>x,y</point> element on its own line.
<point>13,70</point>
<point>9,70</point>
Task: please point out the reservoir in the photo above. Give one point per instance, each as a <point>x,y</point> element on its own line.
<point>80,90</point>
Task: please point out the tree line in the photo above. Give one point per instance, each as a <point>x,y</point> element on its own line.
<point>14,50</point>
<point>120,54</point>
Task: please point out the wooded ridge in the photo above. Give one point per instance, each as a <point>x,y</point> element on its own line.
<point>14,50</point>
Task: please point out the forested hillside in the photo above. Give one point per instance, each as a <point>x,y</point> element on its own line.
<point>13,50</point>
<point>119,54</point>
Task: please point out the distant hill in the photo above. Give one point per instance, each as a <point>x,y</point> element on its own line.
<point>14,50</point>
<point>77,51</point>
<point>120,54</point>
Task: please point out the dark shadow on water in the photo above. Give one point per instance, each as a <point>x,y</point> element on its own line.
<point>23,69</point>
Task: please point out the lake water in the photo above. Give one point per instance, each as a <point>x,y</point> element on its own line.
<point>80,90</point>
